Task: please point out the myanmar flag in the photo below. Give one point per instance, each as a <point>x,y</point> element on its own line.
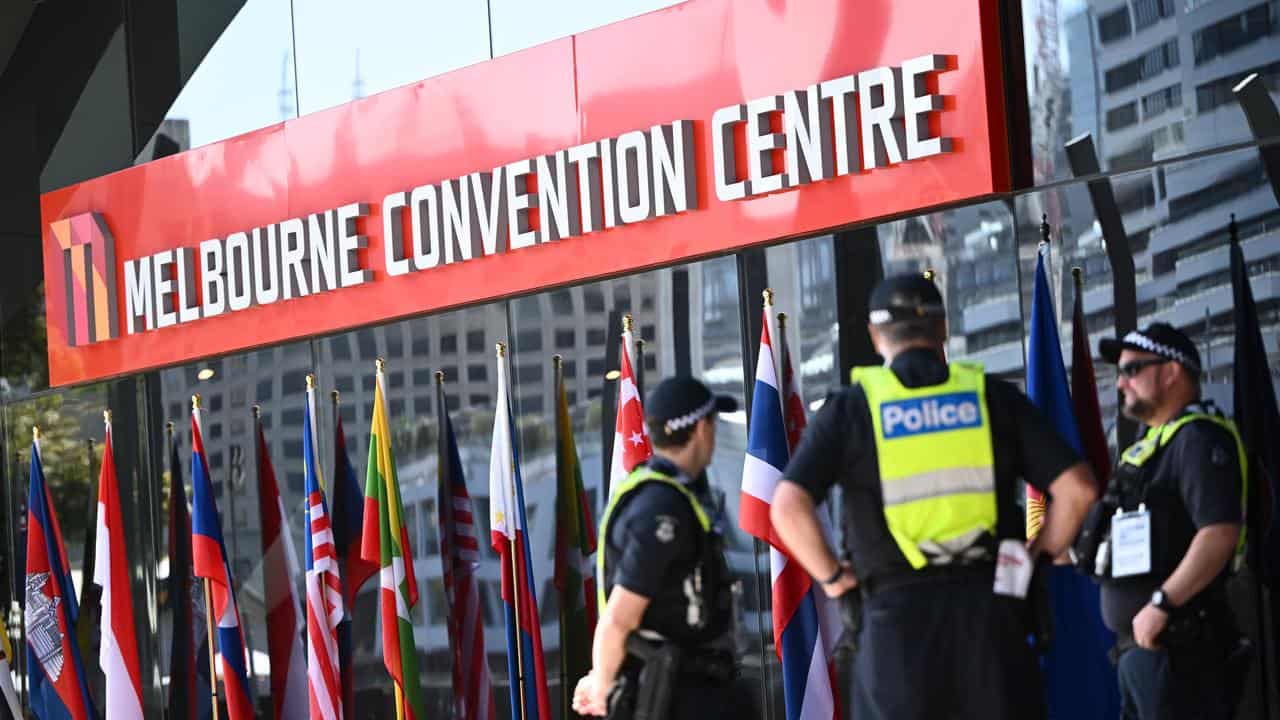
<point>575,542</point>
<point>386,542</point>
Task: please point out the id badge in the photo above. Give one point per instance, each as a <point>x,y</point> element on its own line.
<point>1013,569</point>
<point>1131,543</point>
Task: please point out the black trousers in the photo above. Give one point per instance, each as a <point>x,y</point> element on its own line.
<point>1188,683</point>
<point>945,649</point>
<point>705,700</point>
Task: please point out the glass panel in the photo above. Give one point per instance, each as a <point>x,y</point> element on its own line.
<point>518,25</point>
<point>245,81</point>
<point>1149,80</point>
<point>713,350</point>
<point>346,52</point>
<point>802,277</point>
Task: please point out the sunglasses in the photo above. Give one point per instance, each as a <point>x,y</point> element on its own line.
<point>1131,369</point>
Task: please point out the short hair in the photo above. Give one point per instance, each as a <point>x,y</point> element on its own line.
<point>933,329</point>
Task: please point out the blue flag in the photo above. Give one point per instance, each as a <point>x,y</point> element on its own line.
<point>1079,680</point>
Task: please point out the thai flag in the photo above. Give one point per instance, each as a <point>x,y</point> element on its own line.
<point>55,674</point>
<point>806,624</point>
<point>325,607</point>
<point>209,555</point>
<point>118,651</point>
<point>525,663</point>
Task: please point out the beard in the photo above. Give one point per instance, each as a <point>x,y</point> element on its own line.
<point>1137,409</point>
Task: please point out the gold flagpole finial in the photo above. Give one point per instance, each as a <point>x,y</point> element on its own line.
<point>768,297</point>
<point>782,321</point>
<point>35,432</point>
<point>106,416</point>
<point>439,377</point>
<point>334,395</point>
<point>557,360</point>
<point>501,348</point>
<point>311,381</point>
<point>626,322</point>
<point>257,412</point>
<point>168,428</point>
<point>380,365</point>
<point>195,401</point>
<point>929,274</point>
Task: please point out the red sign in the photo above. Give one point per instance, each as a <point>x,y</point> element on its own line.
<point>692,131</point>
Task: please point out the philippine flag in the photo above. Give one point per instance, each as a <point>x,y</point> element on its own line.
<point>55,674</point>
<point>209,555</point>
<point>806,624</point>
<point>507,523</point>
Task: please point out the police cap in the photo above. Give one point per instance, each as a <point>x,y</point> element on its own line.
<point>1161,339</point>
<point>905,297</point>
<point>681,401</point>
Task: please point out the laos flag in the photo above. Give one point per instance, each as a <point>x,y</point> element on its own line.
<point>56,674</point>
<point>209,556</point>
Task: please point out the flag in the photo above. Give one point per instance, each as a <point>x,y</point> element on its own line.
<point>10,706</point>
<point>118,649</point>
<point>507,525</point>
<point>325,608</point>
<point>209,556</point>
<point>1079,680</point>
<point>805,623</point>
<point>631,444</point>
<point>1084,396</point>
<point>460,558</point>
<point>189,648</point>
<point>575,542</point>
<point>55,675</point>
<point>386,542</point>
<point>347,516</point>
<point>279,569</point>
<point>1258,421</point>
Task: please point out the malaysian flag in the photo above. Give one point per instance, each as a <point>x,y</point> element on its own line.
<point>806,624</point>
<point>460,557</point>
<point>325,607</point>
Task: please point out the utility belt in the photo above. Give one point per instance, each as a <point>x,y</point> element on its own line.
<point>975,570</point>
<point>655,667</point>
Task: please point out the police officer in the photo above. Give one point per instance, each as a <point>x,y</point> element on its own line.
<point>1179,494</point>
<point>663,570</point>
<point>931,456</point>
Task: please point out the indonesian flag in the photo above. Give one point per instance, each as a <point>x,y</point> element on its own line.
<point>631,444</point>
<point>118,651</point>
<point>284,616</point>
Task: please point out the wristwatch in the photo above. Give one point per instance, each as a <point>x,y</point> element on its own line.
<point>834,576</point>
<point>1161,600</point>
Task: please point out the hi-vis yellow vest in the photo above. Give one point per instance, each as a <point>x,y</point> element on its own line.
<point>937,471</point>
<point>1157,437</point>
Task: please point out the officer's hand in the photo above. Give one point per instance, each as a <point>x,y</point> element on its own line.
<point>588,698</point>
<point>843,584</point>
<point>1147,626</point>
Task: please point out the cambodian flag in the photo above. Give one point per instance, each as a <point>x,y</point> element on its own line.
<point>806,624</point>
<point>55,674</point>
<point>209,555</point>
<point>525,663</point>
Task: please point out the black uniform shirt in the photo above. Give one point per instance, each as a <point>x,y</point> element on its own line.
<point>840,447</point>
<point>653,534</point>
<point>1200,471</point>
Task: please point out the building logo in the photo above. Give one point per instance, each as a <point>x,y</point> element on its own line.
<point>89,273</point>
<point>936,413</point>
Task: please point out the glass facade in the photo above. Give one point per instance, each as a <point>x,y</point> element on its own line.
<point>1150,80</point>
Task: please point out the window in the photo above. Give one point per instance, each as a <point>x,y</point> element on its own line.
<point>477,373</point>
<point>450,373</point>
<point>348,413</point>
<point>475,341</point>
<point>1148,12</point>
<point>529,374</point>
<point>264,390</point>
<point>565,339</point>
<point>344,383</point>
<point>421,346</point>
<point>648,333</point>
<point>293,448</point>
<point>1233,33</point>
<point>422,377</point>
<point>1216,93</point>
<point>340,348</point>
<point>595,368</point>
<point>570,368</point>
<point>368,383</point>
<point>478,401</point>
<point>593,300</point>
<point>596,336</point>
<point>449,343</point>
<point>292,416</point>
<point>396,408</point>
<point>531,404</point>
<point>422,405</point>
<point>451,402</point>
<point>395,379</point>
<point>1144,67</point>
<point>367,343</point>
<point>296,482</point>
<point>1161,100</point>
<point>395,342</point>
<point>562,302</point>
<point>215,431</point>
<point>529,340</point>
<point>1114,25</point>
<point>1123,116</point>
<point>293,382</point>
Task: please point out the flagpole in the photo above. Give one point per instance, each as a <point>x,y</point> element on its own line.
<point>515,559</point>
<point>1048,266</point>
<point>208,612</point>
